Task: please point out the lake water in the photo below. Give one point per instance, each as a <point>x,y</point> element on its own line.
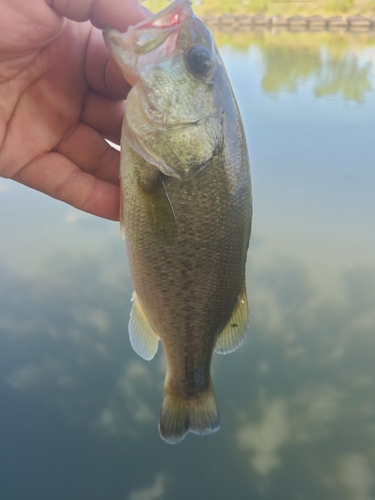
<point>79,409</point>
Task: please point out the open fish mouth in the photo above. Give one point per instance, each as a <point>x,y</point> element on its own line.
<point>175,14</point>
<point>155,37</point>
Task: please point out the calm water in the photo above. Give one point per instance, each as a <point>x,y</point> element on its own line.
<point>79,409</point>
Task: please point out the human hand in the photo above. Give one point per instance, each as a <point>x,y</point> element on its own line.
<point>60,96</point>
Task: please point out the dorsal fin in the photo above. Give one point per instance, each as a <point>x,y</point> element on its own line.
<point>234,332</point>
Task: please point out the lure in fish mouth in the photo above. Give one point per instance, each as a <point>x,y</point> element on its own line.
<point>186,215</point>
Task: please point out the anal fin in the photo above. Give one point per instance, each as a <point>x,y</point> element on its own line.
<point>142,337</point>
<point>235,330</point>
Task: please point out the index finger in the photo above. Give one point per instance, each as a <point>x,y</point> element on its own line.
<point>119,14</point>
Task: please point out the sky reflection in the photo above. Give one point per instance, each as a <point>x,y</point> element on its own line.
<point>79,409</point>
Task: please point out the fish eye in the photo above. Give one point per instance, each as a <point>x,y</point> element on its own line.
<point>200,60</point>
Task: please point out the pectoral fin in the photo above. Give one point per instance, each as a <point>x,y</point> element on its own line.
<point>160,211</point>
<point>234,332</point>
<point>142,337</point>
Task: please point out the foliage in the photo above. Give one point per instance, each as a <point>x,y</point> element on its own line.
<point>274,7</point>
<point>339,5</point>
<point>324,58</point>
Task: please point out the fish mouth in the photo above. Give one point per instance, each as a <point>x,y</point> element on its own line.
<point>162,29</point>
<point>167,21</point>
<point>152,39</point>
<point>172,16</point>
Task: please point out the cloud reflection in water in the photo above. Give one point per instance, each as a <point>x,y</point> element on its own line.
<point>79,409</point>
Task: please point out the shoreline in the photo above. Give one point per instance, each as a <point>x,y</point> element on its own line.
<point>334,24</point>
<point>287,8</point>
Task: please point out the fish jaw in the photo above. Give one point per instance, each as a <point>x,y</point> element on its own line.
<point>150,40</point>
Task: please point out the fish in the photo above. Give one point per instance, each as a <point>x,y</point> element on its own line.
<point>186,208</point>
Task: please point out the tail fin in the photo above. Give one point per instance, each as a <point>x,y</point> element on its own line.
<point>179,415</point>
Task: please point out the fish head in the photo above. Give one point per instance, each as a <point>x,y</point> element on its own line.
<point>173,113</point>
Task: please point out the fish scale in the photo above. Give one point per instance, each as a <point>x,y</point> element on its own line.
<point>186,212</point>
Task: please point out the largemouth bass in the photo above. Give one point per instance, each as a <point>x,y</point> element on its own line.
<point>186,211</point>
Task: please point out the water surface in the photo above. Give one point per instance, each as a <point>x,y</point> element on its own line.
<point>79,409</point>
